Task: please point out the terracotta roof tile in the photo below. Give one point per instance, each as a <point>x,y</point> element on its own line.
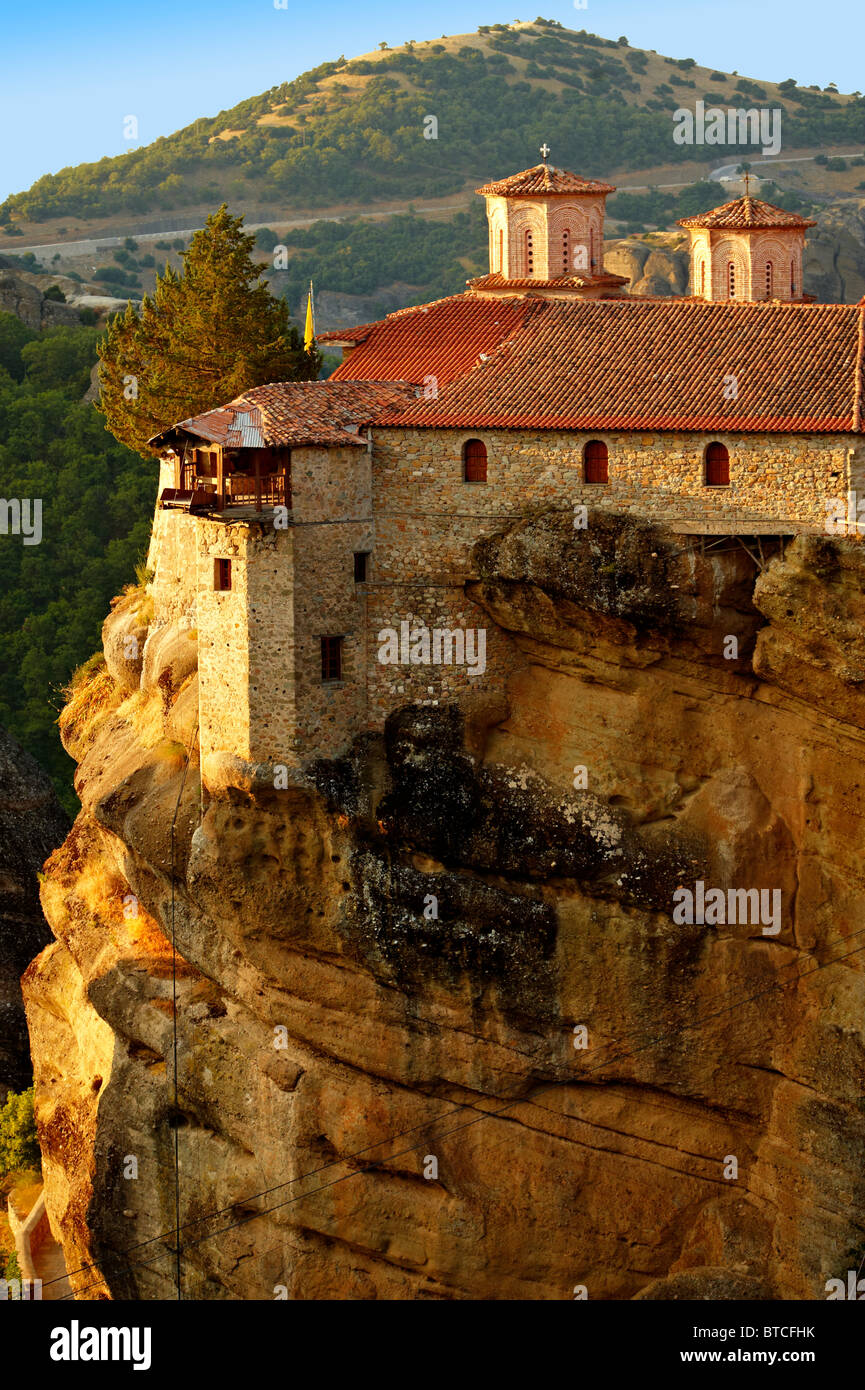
<point>444,339</point>
<point>581,280</point>
<point>744,214</point>
<point>633,363</point>
<point>544,178</point>
<point>294,412</point>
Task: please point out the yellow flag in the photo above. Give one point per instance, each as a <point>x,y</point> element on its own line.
<point>309,330</point>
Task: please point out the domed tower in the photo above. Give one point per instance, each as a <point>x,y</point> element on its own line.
<point>546,229</point>
<point>747,250</point>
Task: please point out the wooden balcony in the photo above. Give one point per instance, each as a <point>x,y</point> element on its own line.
<point>244,492</point>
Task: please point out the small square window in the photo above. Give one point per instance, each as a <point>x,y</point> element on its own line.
<point>360,562</point>
<point>221,575</point>
<point>331,658</point>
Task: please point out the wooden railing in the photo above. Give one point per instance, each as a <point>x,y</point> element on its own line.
<point>275,490</point>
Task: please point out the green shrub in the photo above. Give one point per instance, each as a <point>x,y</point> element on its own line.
<point>12,1273</point>
<point>18,1146</point>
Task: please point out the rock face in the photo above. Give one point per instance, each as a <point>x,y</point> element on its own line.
<point>440,1030</point>
<point>659,265</point>
<point>32,824</point>
<point>19,296</point>
<point>834,263</point>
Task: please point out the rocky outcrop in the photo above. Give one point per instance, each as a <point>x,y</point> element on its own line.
<point>439,1030</point>
<point>656,265</point>
<point>21,297</point>
<point>32,824</point>
<point>834,264</point>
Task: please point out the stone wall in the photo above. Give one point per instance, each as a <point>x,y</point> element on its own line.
<point>261,688</point>
<point>331,520</point>
<point>427,517</point>
<point>224,657</point>
<point>172,557</point>
<point>468,665</point>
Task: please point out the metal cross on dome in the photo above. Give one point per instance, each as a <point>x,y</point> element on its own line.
<point>545,149</point>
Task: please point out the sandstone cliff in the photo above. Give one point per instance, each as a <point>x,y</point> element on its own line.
<point>32,824</point>
<point>383,965</point>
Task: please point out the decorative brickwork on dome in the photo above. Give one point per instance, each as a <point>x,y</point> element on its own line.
<point>543,179</point>
<point>546,230</point>
<point>747,249</point>
<point>744,214</point>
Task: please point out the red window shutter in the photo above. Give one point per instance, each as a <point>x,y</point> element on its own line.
<point>596,462</point>
<point>475,461</point>
<point>717,466</point>
<point>222,575</point>
<point>331,658</point>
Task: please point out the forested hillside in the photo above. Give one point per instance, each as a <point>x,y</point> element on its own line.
<point>97,502</point>
<point>357,131</point>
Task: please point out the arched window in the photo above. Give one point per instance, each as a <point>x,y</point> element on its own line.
<point>596,462</point>
<point>501,252</point>
<point>717,465</point>
<point>530,254</point>
<point>591,248</point>
<point>474,461</point>
<point>792,279</point>
<point>566,252</point>
<point>731,280</point>
<point>770,280</point>
<point>703,279</point>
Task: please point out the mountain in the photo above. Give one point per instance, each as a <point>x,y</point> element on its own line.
<point>431,120</point>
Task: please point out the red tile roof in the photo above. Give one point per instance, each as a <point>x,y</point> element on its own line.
<point>634,363</point>
<point>293,412</point>
<point>579,280</point>
<point>544,178</point>
<point>444,339</point>
<point>744,214</point>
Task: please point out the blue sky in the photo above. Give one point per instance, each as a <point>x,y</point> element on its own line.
<point>71,71</point>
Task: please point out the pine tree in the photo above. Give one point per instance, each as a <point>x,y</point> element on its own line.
<point>201,339</point>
